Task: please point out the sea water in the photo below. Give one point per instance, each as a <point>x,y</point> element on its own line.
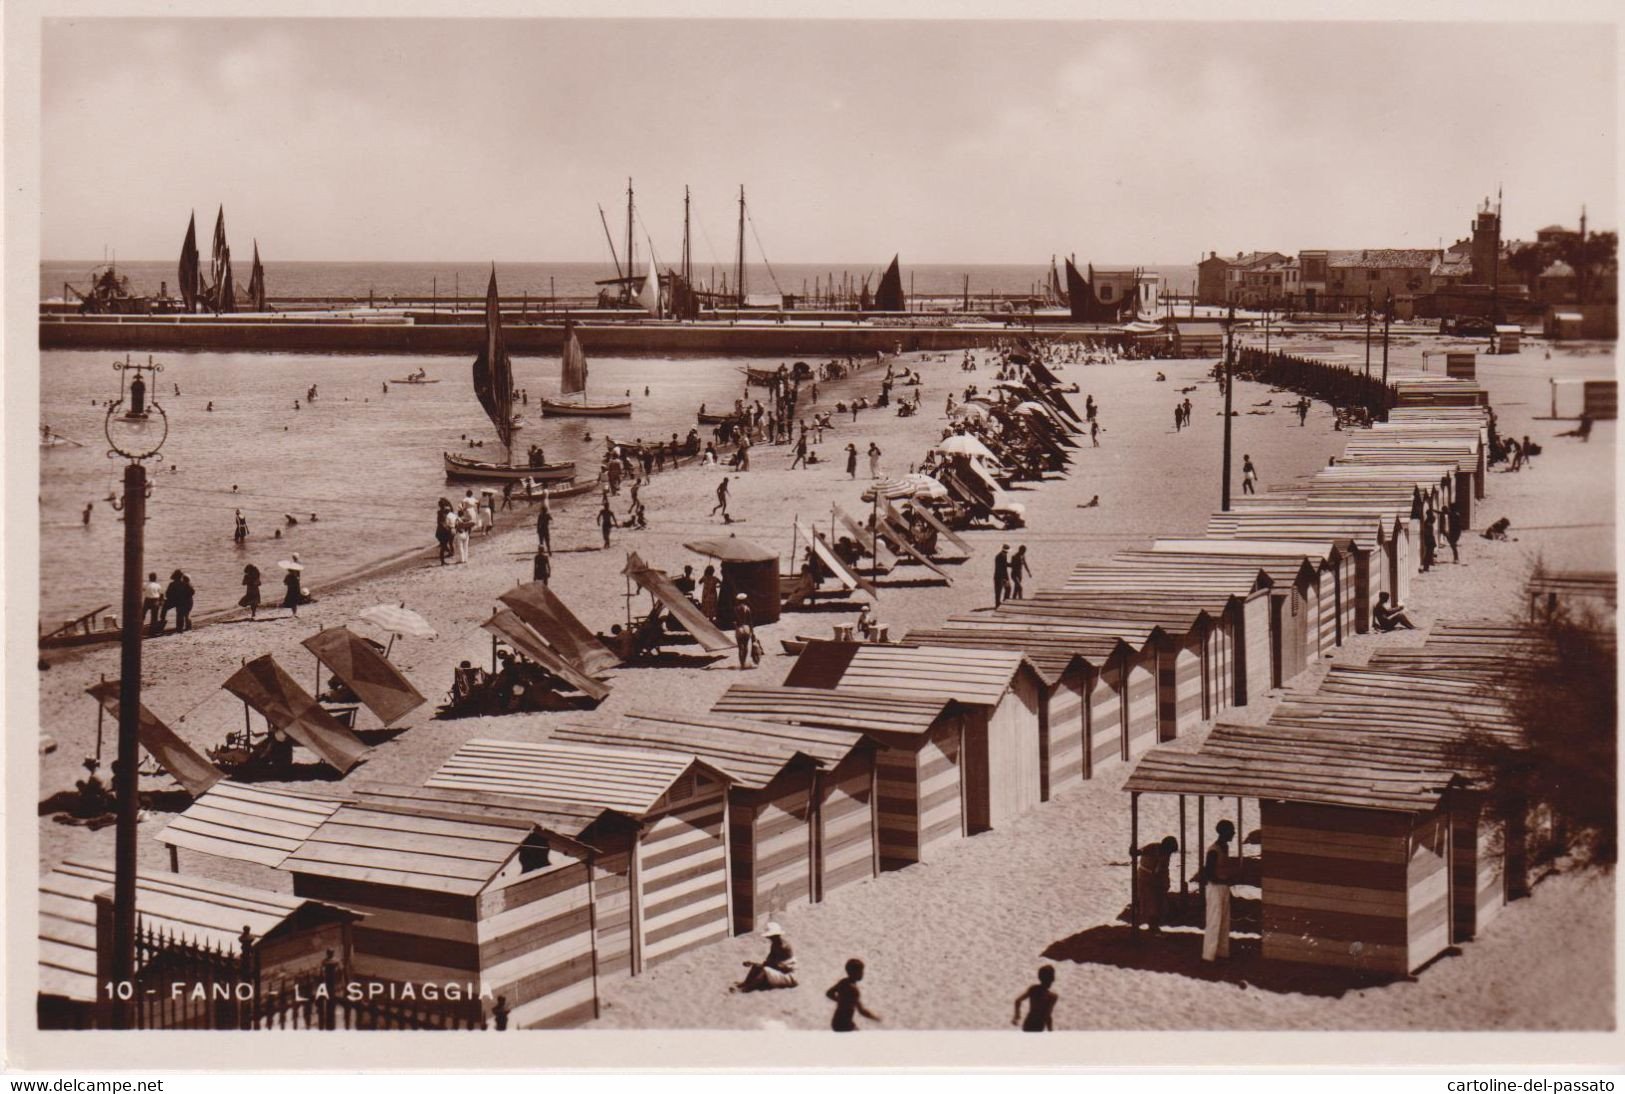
<point>367,464</point>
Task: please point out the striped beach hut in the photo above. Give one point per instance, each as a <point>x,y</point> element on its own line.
<point>1082,707</point>
<point>1333,559</point>
<point>998,689</point>
<point>290,935</point>
<point>1133,689</point>
<point>1198,631</point>
<point>1354,867</point>
<point>801,819</point>
<point>920,803</point>
<point>667,889</point>
<point>1431,393</point>
<point>467,897</point>
<point>1379,539</point>
<point>1593,589</point>
<point>245,823</point>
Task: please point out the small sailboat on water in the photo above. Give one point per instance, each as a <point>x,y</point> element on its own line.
<point>493,386</point>
<point>573,401</point>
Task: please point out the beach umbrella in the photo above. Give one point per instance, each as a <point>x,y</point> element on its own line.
<point>1031,407</point>
<point>968,410</point>
<point>730,549</point>
<point>962,445</point>
<point>925,486</point>
<point>289,564</point>
<point>397,619</point>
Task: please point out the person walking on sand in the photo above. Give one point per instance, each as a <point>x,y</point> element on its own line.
<point>851,461</point>
<point>251,587</point>
<point>801,451</point>
<point>1186,406</point>
<point>606,521</point>
<point>1018,570</point>
<point>710,583</point>
<point>1249,475</point>
<point>1040,1000</point>
<point>1452,531</point>
<point>1430,541</point>
<point>1303,411</point>
<point>1151,882</point>
<point>152,602</point>
<point>1001,575</point>
<point>1094,432</point>
<point>1218,873</point>
<point>181,595</point>
<point>744,634</point>
<point>463,528</point>
<point>291,583</point>
<point>848,1000</point>
<point>1179,417</point>
<point>874,460</point>
<point>445,529</point>
<point>541,567</point>
<point>544,526</point>
<point>722,501</point>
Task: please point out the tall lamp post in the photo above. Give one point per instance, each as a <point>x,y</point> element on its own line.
<point>1387,317</point>
<point>1229,386</point>
<point>136,428</point>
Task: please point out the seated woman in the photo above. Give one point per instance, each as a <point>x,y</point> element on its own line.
<point>1389,618</point>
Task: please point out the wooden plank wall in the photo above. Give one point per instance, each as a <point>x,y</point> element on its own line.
<point>1141,725</point>
<point>1108,708</point>
<point>1367,585</point>
<point>1014,755</point>
<point>1256,648</point>
<point>900,771</point>
<point>940,770</point>
<point>1335,886</point>
<point>409,935</point>
<point>682,875</point>
<point>1296,635</point>
<point>611,892</point>
<point>847,815</point>
<point>1478,887</point>
<point>536,947</point>
<point>1324,613</point>
<point>1428,893</point>
<point>1063,756</point>
<point>770,841</point>
<point>974,771</point>
<point>742,865</point>
<point>1179,686</point>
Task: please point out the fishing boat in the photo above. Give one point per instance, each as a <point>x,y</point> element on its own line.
<point>708,417</point>
<point>415,380</point>
<point>573,401</point>
<point>570,489</point>
<point>493,386</point>
<point>761,377</point>
<point>461,469</point>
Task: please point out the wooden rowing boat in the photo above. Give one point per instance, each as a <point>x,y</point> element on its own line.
<point>414,383</point>
<point>459,469</point>
<point>559,408</point>
<point>569,490</point>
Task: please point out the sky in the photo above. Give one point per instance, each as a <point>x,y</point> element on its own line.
<point>969,142</point>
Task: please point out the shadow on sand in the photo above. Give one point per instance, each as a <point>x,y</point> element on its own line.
<point>1179,951</point>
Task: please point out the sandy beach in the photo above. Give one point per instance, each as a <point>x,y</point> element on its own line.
<point>950,945</point>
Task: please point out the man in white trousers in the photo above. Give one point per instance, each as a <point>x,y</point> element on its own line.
<point>1218,872</point>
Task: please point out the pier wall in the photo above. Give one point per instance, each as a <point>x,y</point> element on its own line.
<point>345,336</point>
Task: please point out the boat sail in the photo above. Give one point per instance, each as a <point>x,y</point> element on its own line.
<point>493,386</point>
<point>573,402</point>
<point>1054,294</point>
<point>256,282</point>
<point>649,292</point>
<point>191,272</point>
<point>222,294</point>
<point>889,296</point>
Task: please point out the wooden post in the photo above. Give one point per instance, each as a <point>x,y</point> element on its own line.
<point>592,929</point>
<point>634,901</point>
<point>174,859</point>
<point>1134,862</point>
<point>1184,885</point>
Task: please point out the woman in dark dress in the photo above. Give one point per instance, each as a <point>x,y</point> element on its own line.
<point>251,583</point>
<point>291,581</point>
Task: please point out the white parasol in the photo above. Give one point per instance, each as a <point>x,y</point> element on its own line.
<point>968,410</point>
<point>397,619</point>
<point>962,445</point>
<point>290,564</point>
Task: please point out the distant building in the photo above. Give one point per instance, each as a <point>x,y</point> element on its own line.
<point>1114,284</point>
<point>1374,273</point>
<point>1219,280</point>
<point>1557,284</point>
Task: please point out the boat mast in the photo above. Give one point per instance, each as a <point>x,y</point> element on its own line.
<point>688,269</point>
<point>615,258</point>
<point>739,266</point>
<point>629,274</point>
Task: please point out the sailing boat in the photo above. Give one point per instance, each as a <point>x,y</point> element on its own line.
<point>889,296</point>
<point>191,274</point>
<point>493,386</point>
<point>572,401</point>
<point>256,282</point>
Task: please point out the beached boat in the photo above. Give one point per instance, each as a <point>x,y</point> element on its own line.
<point>573,401</point>
<point>461,469</point>
<point>711,418</point>
<point>761,377</point>
<point>415,382</point>
<point>571,489</point>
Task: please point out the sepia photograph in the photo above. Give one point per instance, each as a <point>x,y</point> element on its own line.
<point>550,522</point>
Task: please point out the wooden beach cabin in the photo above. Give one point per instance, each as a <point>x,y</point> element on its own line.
<point>1354,867</point>
<point>1132,689</point>
<point>998,689</point>
<point>921,791</point>
<point>288,936</point>
<point>1381,550</point>
<point>802,821</point>
<point>1596,590</point>
<point>474,899</point>
<point>1082,709</point>
<point>1333,559</point>
<point>674,872</point>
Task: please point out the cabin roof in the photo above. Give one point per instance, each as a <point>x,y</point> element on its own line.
<point>628,780</point>
<point>751,752</point>
<point>185,906</point>
<point>838,708</point>
<point>250,823</point>
<point>384,843</point>
<point>1072,622</point>
<point>1050,653</point>
<point>976,677</point>
<point>1271,777</point>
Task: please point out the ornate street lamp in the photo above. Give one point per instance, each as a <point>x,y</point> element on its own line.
<point>136,428</point>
